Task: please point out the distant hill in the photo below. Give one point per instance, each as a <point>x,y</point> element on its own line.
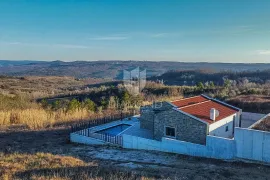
<point>111,69</point>
<point>6,63</point>
<point>192,77</point>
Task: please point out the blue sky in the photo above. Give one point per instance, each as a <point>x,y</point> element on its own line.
<point>168,30</point>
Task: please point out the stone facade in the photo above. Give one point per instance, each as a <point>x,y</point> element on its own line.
<point>147,118</point>
<point>186,128</point>
<point>148,114</point>
<point>156,118</point>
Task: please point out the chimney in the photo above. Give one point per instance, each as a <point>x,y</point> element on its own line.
<point>213,114</point>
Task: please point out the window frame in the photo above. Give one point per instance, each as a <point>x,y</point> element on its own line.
<point>227,128</point>
<point>174,137</point>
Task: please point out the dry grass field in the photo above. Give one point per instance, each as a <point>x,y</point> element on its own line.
<point>38,86</point>
<point>40,118</point>
<point>19,105</point>
<point>252,103</point>
<point>55,167</point>
<point>47,86</point>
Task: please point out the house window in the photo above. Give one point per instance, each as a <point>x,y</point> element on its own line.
<point>227,128</point>
<point>170,132</point>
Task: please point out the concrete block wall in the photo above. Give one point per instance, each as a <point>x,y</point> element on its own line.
<point>219,148</point>
<point>248,119</point>
<point>248,144</point>
<point>135,142</point>
<point>252,116</point>
<point>76,138</point>
<point>252,144</point>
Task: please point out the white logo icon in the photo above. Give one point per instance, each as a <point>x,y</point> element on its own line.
<point>135,80</point>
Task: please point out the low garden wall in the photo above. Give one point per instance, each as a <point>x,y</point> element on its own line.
<point>252,144</point>
<point>77,138</point>
<point>216,147</point>
<point>248,144</point>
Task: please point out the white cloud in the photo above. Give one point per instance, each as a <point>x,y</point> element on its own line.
<point>159,35</point>
<point>118,37</point>
<point>14,43</point>
<point>263,52</point>
<point>71,46</point>
<point>109,38</point>
<point>67,46</point>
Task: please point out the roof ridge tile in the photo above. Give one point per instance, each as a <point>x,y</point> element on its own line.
<point>195,104</point>
<point>186,98</point>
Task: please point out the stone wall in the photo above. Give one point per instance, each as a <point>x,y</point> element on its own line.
<point>187,128</point>
<point>156,117</point>
<point>148,114</point>
<point>147,118</point>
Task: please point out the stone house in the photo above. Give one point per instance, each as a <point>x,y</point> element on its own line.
<point>190,119</point>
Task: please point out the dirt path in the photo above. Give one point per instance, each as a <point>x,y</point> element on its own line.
<point>165,165</point>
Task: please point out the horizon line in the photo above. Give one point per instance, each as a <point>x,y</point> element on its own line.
<point>215,62</point>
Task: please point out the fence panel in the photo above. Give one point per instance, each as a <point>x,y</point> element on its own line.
<point>83,128</point>
<point>252,144</point>
<point>99,121</point>
<point>118,140</point>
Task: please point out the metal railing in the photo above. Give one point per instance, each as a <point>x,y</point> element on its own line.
<point>117,140</point>
<point>99,121</point>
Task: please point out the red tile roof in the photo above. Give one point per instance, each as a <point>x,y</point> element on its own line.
<point>200,106</point>
<point>189,101</point>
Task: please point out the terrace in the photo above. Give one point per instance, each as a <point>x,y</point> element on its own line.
<point>109,131</point>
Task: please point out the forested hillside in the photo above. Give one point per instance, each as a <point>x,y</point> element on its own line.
<point>113,69</point>
<point>193,77</point>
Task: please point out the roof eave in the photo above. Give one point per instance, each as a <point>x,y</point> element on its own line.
<point>172,104</point>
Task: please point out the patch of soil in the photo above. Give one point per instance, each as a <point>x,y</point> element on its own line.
<point>263,125</point>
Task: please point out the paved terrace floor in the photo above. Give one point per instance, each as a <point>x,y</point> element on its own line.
<point>135,130</point>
